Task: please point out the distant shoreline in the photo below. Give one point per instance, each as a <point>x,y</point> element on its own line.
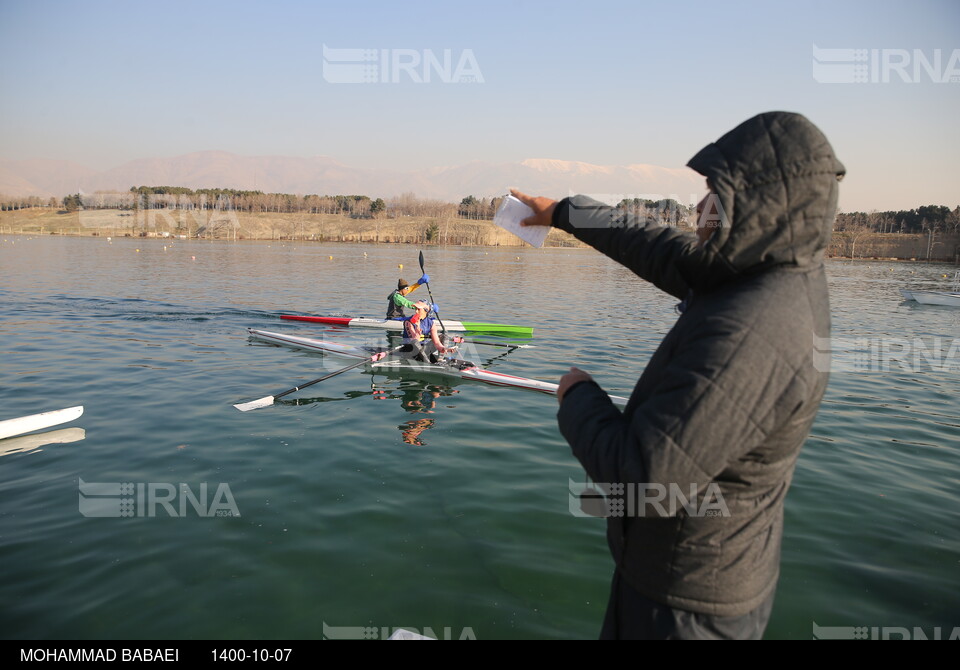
<point>421,231</point>
<point>267,226</point>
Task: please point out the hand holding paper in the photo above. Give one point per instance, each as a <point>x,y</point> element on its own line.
<point>512,213</point>
<point>542,209</point>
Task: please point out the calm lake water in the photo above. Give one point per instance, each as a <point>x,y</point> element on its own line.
<point>377,501</point>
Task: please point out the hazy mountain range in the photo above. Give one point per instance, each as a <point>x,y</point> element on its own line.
<point>322,175</point>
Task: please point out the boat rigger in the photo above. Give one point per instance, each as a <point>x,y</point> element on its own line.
<point>375,358</point>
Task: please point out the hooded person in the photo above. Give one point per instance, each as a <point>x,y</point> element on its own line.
<point>704,452</point>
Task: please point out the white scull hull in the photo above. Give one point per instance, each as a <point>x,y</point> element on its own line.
<point>455,369</point>
<point>936,298</point>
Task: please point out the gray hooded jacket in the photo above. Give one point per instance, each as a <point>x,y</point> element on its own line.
<point>728,399</point>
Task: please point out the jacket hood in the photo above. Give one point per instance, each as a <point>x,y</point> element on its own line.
<point>776,178</point>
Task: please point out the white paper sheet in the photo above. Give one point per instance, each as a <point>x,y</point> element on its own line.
<point>509,216</point>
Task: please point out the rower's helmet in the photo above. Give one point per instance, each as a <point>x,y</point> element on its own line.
<point>402,284</point>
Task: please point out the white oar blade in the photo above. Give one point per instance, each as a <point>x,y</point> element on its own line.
<point>255,404</point>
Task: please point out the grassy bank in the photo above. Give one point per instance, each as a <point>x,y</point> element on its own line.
<point>420,230</point>
<point>231,225</point>
<point>939,246</point>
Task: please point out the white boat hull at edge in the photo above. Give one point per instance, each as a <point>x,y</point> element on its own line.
<point>936,298</point>
<point>949,298</point>
<point>28,424</point>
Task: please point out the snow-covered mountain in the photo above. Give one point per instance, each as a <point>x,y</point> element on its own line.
<point>323,175</point>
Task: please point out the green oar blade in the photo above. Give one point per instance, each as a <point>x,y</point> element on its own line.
<point>500,328</point>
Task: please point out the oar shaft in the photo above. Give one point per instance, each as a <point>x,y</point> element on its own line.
<point>375,357</point>
<point>324,378</point>
<point>430,293</point>
<point>492,344</point>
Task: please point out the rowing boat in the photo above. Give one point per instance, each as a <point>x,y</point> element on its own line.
<point>451,368</point>
<point>28,424</point>
<point>397,324</point>
<point>936,298</point>
<point>949,298</point>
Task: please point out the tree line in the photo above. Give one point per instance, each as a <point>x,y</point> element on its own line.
<point>27,202</point>
<point>179,197</point>
<point>925,219</point>
<point>921,220</point>
<point>666,212</point>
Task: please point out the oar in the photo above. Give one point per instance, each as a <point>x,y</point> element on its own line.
<point>457,340</point>
<point>269,400</point>
<point>430,293</point>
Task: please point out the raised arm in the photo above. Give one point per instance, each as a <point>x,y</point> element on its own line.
<point>402,301</point>
<point>662,255</point>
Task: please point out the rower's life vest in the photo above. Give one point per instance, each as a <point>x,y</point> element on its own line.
<point>424,325</point>
<point>394,311</point>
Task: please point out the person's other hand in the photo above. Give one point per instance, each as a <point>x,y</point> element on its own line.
<point>575,376</point>
<point>542,209</point>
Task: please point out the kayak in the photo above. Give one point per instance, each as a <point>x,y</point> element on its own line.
<point>28,424</point>
<point>397,324</point>
<point>450,367</point>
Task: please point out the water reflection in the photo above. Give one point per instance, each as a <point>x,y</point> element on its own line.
<point>31,443</point>
<point>420,401</point>
<point>411,430</point>
<point>415,397</point>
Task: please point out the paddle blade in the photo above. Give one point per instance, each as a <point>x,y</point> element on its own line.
<point>255,404</point>
<point>421,262</point>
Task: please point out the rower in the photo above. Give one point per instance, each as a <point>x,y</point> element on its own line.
<point>397,300</point>
<point>422,339</point>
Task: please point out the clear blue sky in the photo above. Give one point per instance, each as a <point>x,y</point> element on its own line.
<point>611,83</point>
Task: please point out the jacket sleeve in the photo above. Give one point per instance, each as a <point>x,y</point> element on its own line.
<point>659,254</point>
<point>722,393</point>
<point>402,301</point>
